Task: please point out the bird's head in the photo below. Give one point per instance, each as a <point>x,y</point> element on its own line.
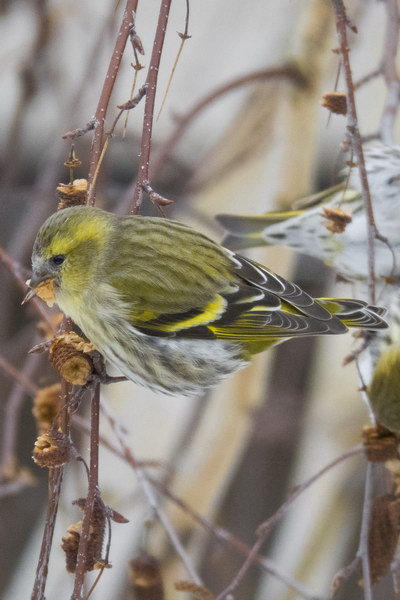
<point>67,251</point>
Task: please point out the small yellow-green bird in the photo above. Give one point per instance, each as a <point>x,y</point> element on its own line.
<point>384,389</point>
<point>170,308</point>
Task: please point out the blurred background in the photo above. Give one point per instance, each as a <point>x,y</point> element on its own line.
<point>233,455</point>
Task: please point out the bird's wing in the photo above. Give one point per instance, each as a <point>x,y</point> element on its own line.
<point>262,305</point>
<point>249,231</point>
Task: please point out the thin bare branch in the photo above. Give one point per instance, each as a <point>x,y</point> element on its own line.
<point>225,536</point>
<point>362,552</point>
<point>342,23</point>
<point>264,529</point>
<point>289,71</point>
<point>54,492</point>
<point>220,534</point>
<point>151,81</point>
<point>150,496</point>
<point>137,47</point>
<point>93,492</point>
<point>75,133</point>
<point>184,37</point>
<point>104,100</point>
<point>55,481</point>
<point>367,78</point>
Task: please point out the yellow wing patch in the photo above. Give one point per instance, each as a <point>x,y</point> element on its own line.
<point>213,310</point>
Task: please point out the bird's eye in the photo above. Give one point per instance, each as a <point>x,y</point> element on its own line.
<point>57,259</point>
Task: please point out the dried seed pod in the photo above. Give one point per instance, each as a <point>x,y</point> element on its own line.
<point>70,544</point>
<point>383,534</point>
<point>52,449</point>
<point>335,102</point>
<point>146,577</point>
<point>116,516</point>
<point>380,444</point>
<point>68,355</point>
<point>73,162</point>
<point>73,339</point>
<point>94,548</point>
<point>72,194</point>
<point>337,219</point>
<point>46,406</point>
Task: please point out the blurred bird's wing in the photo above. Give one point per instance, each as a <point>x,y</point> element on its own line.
<point>250,231</point>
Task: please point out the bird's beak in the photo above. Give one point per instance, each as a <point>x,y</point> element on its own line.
<point>42,286</point>
<point>30,294</point>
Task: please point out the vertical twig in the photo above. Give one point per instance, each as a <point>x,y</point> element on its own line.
<point>108,86</point>
<point>54,491</point>
<point>184,36</point>
<point>354,133</point>
<point>151,80</point>
<point>93,490</point>
<point>363,552</point>
<point>55,481</point>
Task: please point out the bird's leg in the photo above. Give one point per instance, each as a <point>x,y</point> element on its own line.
<point>100,374</point>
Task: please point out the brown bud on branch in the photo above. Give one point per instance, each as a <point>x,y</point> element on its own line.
<point>52,449</point>
<point>335,102</point>
<point>72,194</point>
<point>337,219</point>
<point>380,444</point>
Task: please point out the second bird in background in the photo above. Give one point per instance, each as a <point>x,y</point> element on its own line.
<point>307,229</point>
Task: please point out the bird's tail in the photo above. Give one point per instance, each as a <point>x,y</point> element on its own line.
<point>246,231</point>
<point>355,313</point>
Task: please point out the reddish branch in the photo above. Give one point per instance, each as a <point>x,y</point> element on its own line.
<point>54,492</point>
<point>104,100</point>
<point>93,491</point>
<point>342,23</point>
<point>55,481</point>
<point>151,81</point>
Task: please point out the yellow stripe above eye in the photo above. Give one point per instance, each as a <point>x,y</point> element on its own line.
<point>90,229</point>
